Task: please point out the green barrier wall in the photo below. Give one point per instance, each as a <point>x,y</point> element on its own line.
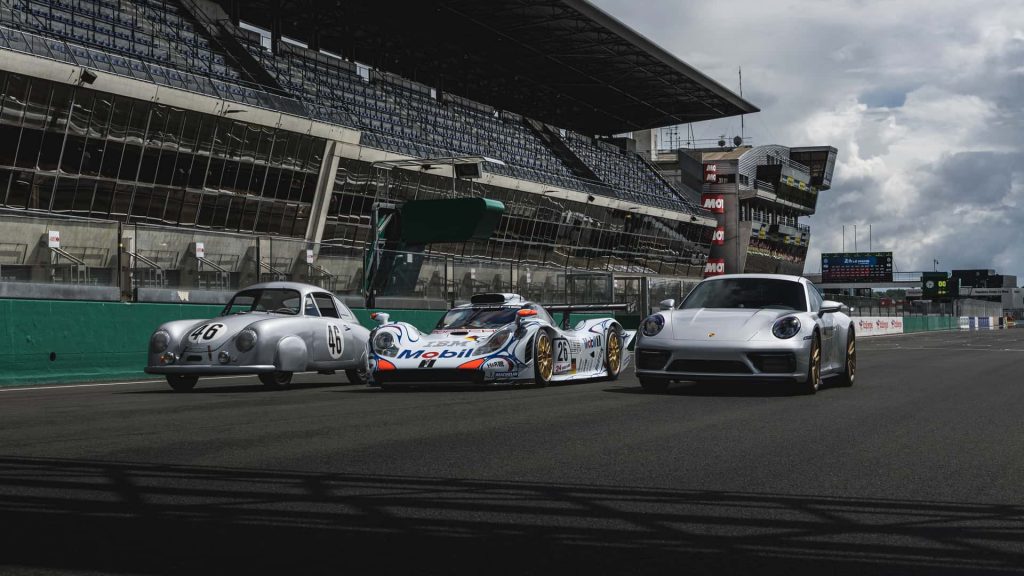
<point>929,323</point>
<point>44,341</point>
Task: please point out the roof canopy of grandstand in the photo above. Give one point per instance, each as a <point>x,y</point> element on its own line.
<point>563,62</point>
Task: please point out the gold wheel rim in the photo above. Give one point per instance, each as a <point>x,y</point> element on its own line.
<point>851,357</point>
<point>613,353</point>
<point>544,356</point>
<point>815,363</point>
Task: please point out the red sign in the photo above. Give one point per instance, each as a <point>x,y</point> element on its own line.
<point>714,267</point>
<point>711,173</point>
<point>713,202</point>
<point>718,238</point>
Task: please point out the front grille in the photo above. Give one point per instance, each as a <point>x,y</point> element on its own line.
<point>709,366</point>
<point>774,362</point>
<point>651,359</point>
<point>429,376</point>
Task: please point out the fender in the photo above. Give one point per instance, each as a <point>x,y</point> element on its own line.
<point>292,355</point>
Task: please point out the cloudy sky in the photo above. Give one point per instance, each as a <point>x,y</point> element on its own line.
<point>923,99</point>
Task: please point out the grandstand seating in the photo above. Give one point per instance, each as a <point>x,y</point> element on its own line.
<point>160,40</point>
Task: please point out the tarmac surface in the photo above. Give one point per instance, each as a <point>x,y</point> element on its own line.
<point>916,469</point>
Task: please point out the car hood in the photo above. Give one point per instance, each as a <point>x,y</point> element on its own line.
<point>225,328</point>
<point>723,324</point>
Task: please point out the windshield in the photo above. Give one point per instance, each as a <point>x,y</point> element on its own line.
<point>276,300</point>
<point>747,293</point>
<point>477,318</point>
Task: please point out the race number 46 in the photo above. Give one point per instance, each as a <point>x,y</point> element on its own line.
<point>205,332</point>
<point>335,341</point>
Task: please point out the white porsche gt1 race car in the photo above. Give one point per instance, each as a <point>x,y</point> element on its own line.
<point>499,338</point>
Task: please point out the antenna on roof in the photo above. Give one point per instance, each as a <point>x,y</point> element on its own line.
<point>741,96</point>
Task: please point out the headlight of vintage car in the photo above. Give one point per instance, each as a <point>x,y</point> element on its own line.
<point>246,339</point>
<point>384,344</point>
<point>159,341</point>
<point>495,342</point>
<point>786,327</point>
<point>653,325</point>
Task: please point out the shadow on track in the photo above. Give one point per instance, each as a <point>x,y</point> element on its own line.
<point>724,389</point>
<point>242,388</point>
<point>85,516</point>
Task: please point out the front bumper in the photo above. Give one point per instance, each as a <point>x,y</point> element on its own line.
<point>210,369</point>
<point>781,360</point>
<point>442,377</point>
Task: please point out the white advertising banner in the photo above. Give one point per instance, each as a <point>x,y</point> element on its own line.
<point>53,239</point>
<point>878,325</point>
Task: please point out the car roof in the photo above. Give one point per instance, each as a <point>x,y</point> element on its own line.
<point>789,277</point>
<point>301,287</point>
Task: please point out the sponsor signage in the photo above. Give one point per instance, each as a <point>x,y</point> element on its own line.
<point>309,255</point>
<point>864,267</point>
<point>713,202</point>
<point>53,239</point>
<point>710,173</point>
<point>714,267</point>
<point>200,250</point>
<point>878,325</point>
<point>718,238</point>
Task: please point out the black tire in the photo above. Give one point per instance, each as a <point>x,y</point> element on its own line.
<point>358,376</point>
<point>182,383</point>
<point>543,358</point>
<point>276,380</point>
<point>813,381</point>
<point>613,353</point>
<point>652,384</point>
<point>849,372</point>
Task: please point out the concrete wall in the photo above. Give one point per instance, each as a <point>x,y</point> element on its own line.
<point>48,341</point>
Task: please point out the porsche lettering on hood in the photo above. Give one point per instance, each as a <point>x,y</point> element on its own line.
<point>723,324</point>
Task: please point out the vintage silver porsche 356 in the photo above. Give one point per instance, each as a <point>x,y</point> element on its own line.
<point>272,330</point>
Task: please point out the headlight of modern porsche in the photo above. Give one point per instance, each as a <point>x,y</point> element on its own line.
<point>786,327</point>
<point>246,339</point>
<point>159,341</point>
<point>653,325</point>
<point>384,344</point>
<point>495,342</point>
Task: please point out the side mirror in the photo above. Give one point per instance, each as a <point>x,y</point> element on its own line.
<point>521,315</point>
<point>829,307</point>
<point>381,318</point>
<point>667,304</point>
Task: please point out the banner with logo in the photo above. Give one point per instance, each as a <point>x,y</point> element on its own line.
<point>877,325</point>
<point>718,238</point>
<point>714,267</point>
<point>713,202</point>
<point>710,173</point>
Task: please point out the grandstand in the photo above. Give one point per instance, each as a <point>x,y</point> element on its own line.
<point>253,132</point>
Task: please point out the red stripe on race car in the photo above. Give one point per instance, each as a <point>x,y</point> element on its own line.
<point>472,364</point>
<point>383,364</point>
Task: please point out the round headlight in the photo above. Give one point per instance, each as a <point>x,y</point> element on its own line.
<point>383,341</point>
<point>786,327</point>
<point>653,325</point>
<point>159,341</point>
<point>246,339</point>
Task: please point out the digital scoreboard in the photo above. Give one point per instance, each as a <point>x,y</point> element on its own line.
<point>866,267</point>
<point>938,286</point>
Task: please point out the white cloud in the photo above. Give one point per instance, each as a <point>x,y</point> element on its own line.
<point>922,99</point>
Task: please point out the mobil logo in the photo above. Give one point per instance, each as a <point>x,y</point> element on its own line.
<point>592,342</point>
<point>713,202</point>
<point>711,173</point>
<point>714,267</point>
<point>718,237</point>
<point>420,354</point>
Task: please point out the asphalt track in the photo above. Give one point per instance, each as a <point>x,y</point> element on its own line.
<point>917,469</point>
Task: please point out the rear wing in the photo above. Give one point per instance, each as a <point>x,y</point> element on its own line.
<point>567,309</point>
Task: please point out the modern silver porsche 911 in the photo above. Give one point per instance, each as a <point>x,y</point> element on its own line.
<point>271,330</point>
<point>748,327</point>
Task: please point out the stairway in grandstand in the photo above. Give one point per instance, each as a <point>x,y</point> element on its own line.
<point>550,137</point>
